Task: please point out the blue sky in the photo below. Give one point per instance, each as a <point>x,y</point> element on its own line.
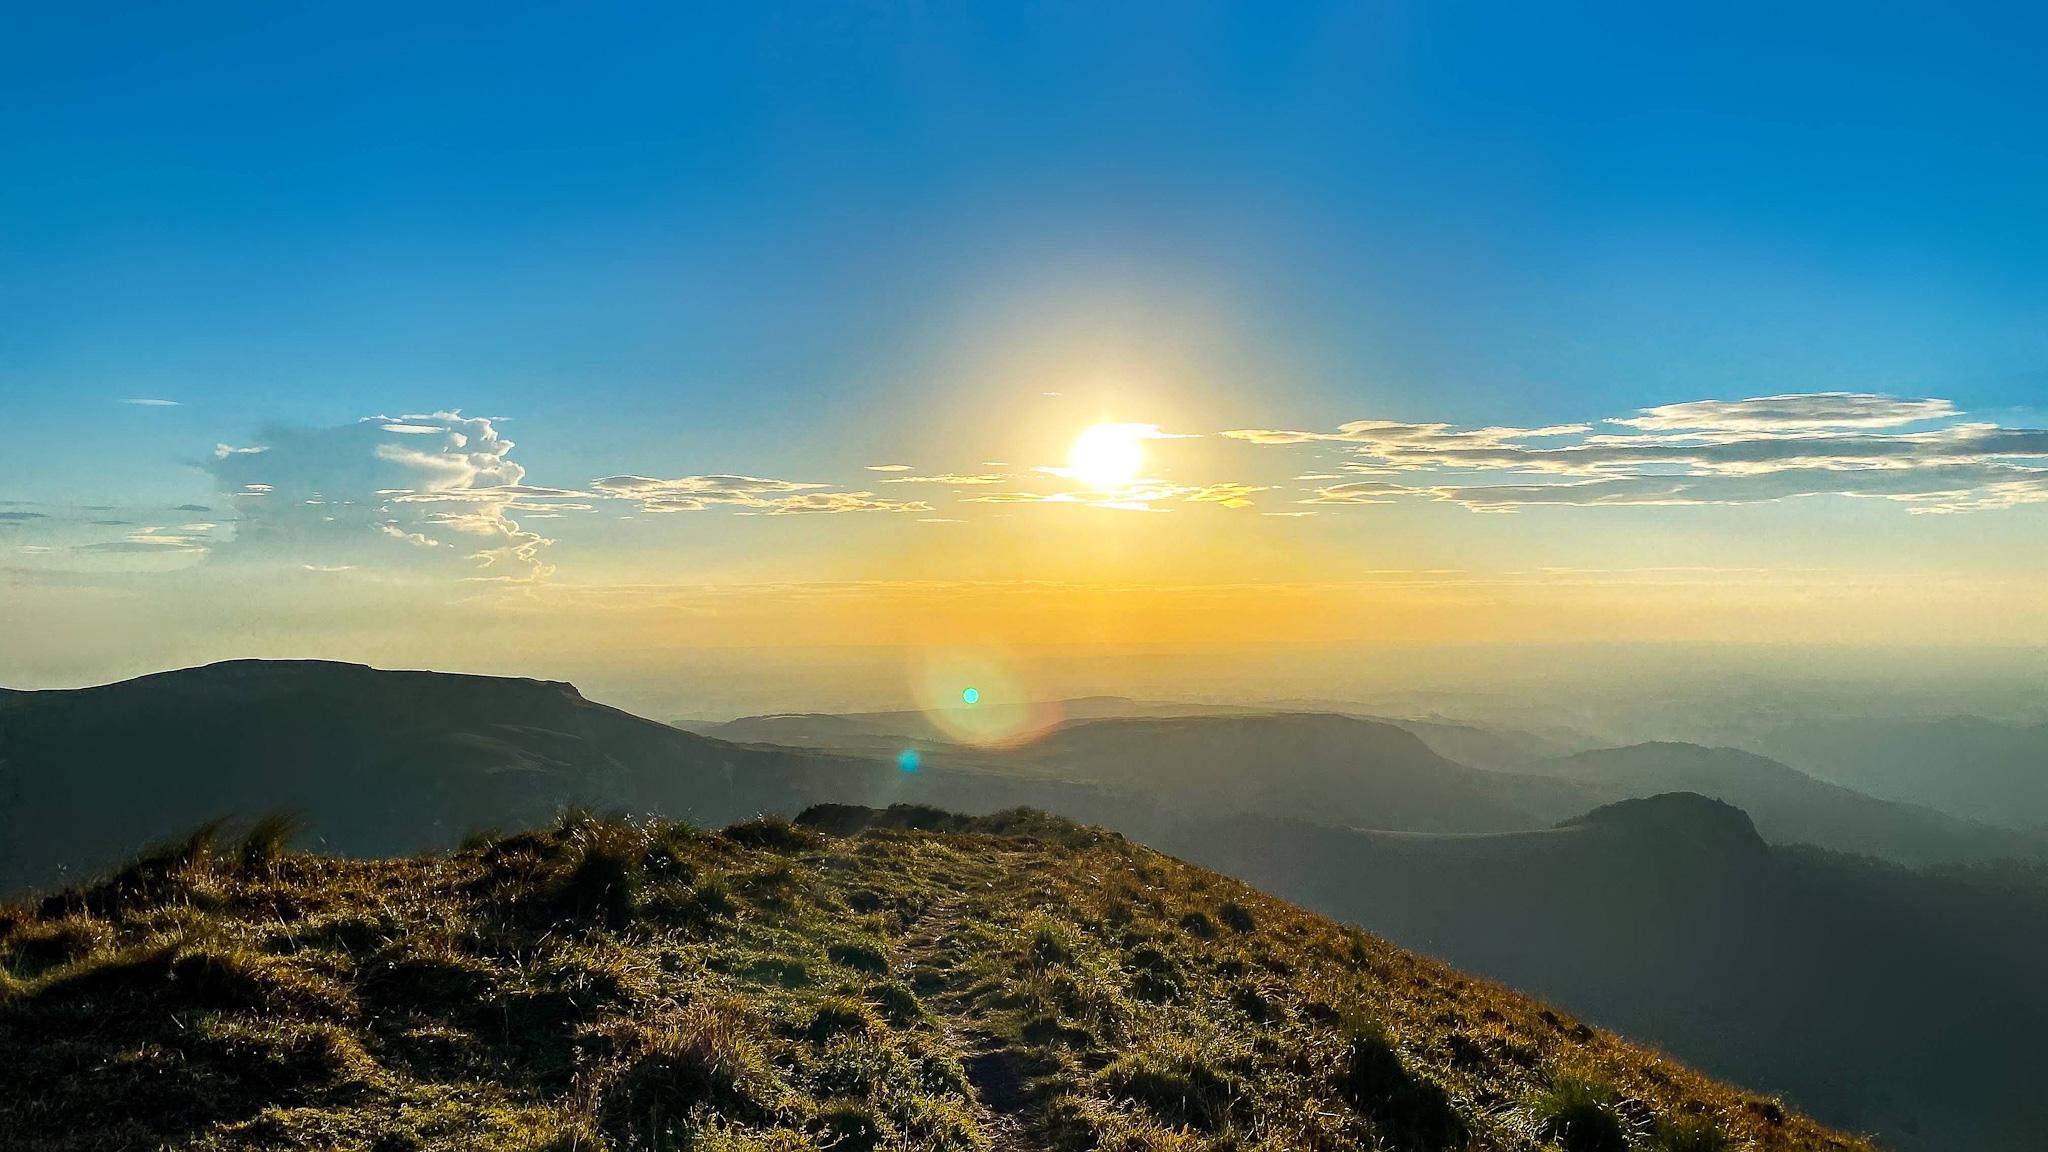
<point>789,242</point>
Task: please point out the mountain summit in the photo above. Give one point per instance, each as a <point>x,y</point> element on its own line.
<point>923,981</point>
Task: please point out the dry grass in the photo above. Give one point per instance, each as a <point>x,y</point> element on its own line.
<point>612,985</point>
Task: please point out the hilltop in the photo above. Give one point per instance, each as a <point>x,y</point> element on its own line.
<point>858,979</point>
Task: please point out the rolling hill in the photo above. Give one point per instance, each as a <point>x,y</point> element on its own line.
<point>1790,807</point>
<point>378,761</point>
<point>913,981</point>
<point>1967,766</point>
<point>1888,1000</point>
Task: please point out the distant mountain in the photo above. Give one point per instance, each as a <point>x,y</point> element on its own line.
<point>890,732</point>
<point>1790,807</point>
<point>1497,749</point>
<point>1909,1003</point>
<point>1964,765</point>
<point>1334,769</point>
<point>379,761</point>
<point>1341,769</point>
<point>1398,774</point>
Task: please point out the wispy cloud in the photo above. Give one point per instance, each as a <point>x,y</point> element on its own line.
<point>150,403</point>
<point>149,541</point>
<point>1700,452</point>
<point>696,493</point>
<point>1140,496</point>
<point>1803,410</point>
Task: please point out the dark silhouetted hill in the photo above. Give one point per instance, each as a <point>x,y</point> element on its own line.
<point>1883,999</point>
<point>378,761</point>
<point>1790,807</point>
<point>1964,765</point>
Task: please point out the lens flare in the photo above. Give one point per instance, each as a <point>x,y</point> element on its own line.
<point>979,696</point>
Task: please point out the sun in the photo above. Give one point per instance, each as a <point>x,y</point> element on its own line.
<point>1107,455</point>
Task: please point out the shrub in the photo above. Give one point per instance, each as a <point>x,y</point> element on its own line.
<point>859,957</point>
<point>52,945</point>
<point>850,1126</point>
<point>1183,1088</point>
<point>1579,1115</point>
<point>1407,1111</point>
<point>774,834</point>
<point>704,1058</point>
<point>266,840</point>
<point>897,1003</point>
<point>603,883</point>
<point>1050,946</point>
<point>1695,1134</point>
<point>151,873</point>
<point>1237,917</point>
<point>840,1015</point>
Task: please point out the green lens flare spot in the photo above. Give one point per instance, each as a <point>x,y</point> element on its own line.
<point>971,695</point>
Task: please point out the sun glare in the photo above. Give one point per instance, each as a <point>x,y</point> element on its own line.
<point>1107,455</point>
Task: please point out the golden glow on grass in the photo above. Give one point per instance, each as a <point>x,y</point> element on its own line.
<point>1107,455</point>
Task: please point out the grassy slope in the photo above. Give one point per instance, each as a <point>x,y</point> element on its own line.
<point>1018,982</point>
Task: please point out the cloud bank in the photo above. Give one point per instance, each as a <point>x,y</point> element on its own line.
<point>1748,451</point>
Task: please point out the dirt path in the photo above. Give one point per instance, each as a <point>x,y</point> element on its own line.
<point>1002,1098</point>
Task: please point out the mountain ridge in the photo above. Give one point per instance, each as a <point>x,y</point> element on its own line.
<point>999,983</point>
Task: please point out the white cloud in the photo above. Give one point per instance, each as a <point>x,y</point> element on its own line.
<point>149,541</point>
<point>151,403</point>
<point>1701,452</point>
<point>326,495</point>
<point>947,478</point>
<point>1806,410</point>
<point>775,497</point>
<point>889,467</point>
<point>1141,496</point>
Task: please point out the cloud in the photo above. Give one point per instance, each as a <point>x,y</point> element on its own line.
<point>1141,496</point>
<point>1807,410</point>
<point>1228,495</point>
<point>947,478</point>
<point>18,516</point>
<point>149,541</point>
<point>1700,452</point>
<point>1361,492</point>
<point>349,495</point>
<point>1386,432</point>
<point>1951,488</point>
<point>773,497</point>
<point>148,403</point>
<point>830,502</point>
<point>889,467</point>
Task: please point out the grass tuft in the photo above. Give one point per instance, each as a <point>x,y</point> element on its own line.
<point>1579,1114</point>
<point>267,840</point>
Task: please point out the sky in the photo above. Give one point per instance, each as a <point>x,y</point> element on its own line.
<point>482,336</point>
